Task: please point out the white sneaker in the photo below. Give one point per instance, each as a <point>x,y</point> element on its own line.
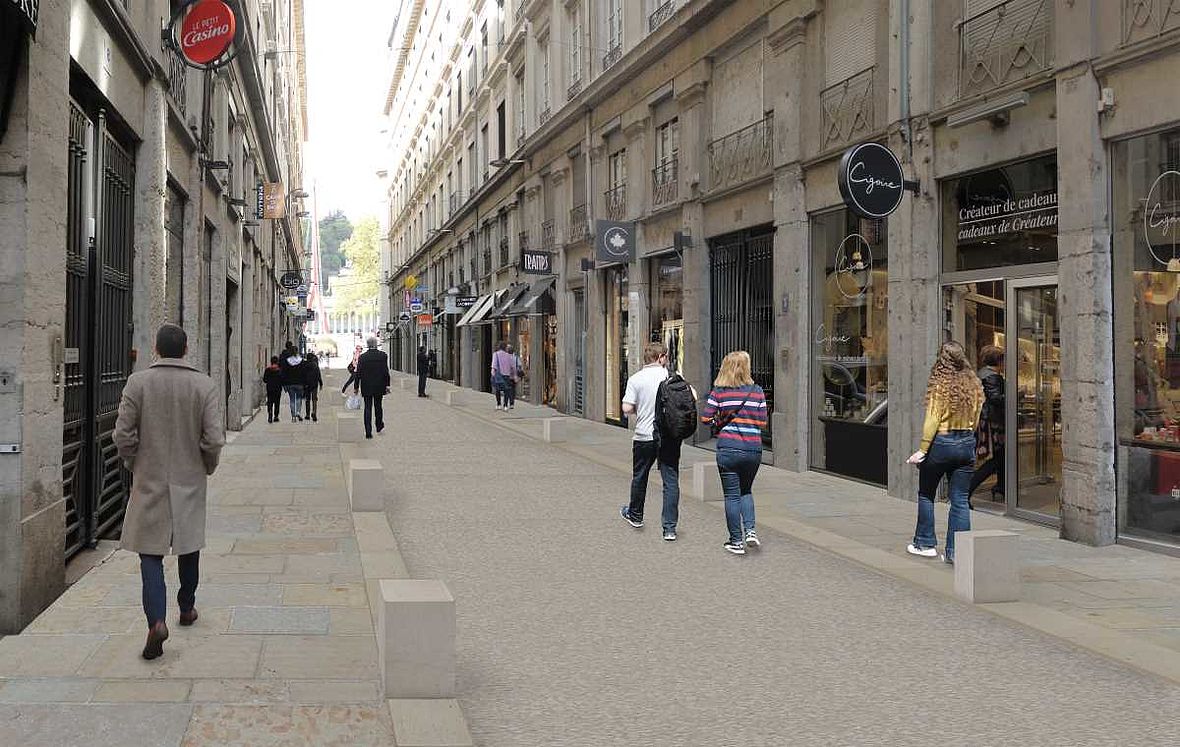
<point>752,539</point>
<point>927,552</point>
<point>669,536</point>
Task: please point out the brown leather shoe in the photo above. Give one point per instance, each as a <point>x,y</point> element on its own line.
<point>154,647</point>
<point>188,618</point>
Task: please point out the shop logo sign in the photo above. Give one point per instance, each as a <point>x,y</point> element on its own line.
<point>614,241</point>
<point>207,31</point>
<point>871,180</point>
<point>987,217</point>
<point>536,263</point>
<point>854,266</point>
<point>291,280</point>
<point>1161,219</point>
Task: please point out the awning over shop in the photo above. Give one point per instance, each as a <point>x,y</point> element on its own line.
<point>510,297</point>
<point>538,300</point>
<point>481,317</point>
<point>480,304</point>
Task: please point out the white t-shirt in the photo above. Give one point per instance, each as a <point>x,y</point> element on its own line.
<point>641,392</point>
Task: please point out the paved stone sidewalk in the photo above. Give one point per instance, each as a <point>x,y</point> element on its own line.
<point>1119,601</point>
<point>575,629</point>
<point>284,652</point>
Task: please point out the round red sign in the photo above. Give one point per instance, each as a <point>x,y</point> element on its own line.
<point>207,31</point>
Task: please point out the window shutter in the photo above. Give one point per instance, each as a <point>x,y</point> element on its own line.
<point>850,39</point>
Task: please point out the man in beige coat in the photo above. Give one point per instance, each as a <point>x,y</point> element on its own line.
<point>170,435</point>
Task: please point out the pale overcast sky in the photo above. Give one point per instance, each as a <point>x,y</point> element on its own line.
<point>346,75</point>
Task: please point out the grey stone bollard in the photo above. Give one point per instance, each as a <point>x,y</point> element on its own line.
<point>704,482</point>
<point>453,397</point>
<point>987,566</point>
<point>350,427</point>
<point>366,485</point>
<point>405,383</point>
<point>555,430</point>
<point>416,639</point>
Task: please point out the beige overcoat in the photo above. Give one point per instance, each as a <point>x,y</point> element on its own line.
<point>170,435</point>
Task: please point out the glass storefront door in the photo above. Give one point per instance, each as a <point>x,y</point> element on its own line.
<point>1020,463</point>
<point>1034,387</point>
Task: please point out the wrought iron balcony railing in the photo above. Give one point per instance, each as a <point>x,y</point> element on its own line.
<point>519,14</point>
<point>665,183</point>
<point>504,252</point>
<point>178,80</point>
<point>615,200</point>
<point>487,260</point>
<point>742,155</point>
<point>1007,43</point>
<point>660,14</point>
<point>548,235</point>
<point>456,201</point>
<point>574,89</point>
<point>612,56</point>
<point>847,109</point>
<point>544,116</point>
<point>1147,19</point>
<point>579,229</point>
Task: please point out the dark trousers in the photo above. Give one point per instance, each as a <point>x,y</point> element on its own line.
<point>373,406</point>
<point>155,591</point>
<point>645,454</point>
<point>421,383</point>
<point>273,400</point>
<point>352,382</point>
<point>993,466</point>
<point>311,401</point>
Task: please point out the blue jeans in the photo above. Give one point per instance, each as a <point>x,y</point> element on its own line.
<point>738,468</point>
<point>952,455</point>
<point>155,592</point>
<point>644,454</point>
<point>295,394</point>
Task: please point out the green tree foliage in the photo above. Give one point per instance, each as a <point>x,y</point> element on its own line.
<point>363,255</point>
<point>334,231</point>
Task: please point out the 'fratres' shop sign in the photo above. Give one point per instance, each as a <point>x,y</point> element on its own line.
<point>207,31</point>
<point>871,180</point>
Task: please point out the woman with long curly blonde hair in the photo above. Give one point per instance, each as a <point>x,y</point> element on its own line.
<point>954,397</point>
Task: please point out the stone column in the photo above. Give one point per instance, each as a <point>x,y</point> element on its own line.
<point>691,88</point>
<point>635,129</point>
<point>1084,296</point>
<point>33,178</point>
<point>148,298</point>
<point>791,419</point>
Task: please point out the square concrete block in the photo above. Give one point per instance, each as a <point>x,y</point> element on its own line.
<point>429,723</point>
<point>704,481</point>
<point>350,427</point>
<point>453,397</point>
<point>556,430</point>
<point>366,485</point>
<point>416,639</point>
<point>987,566</point>
<point>405,383</point>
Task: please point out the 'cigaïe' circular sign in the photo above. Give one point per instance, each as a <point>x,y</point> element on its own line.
<point>207,31</point>
<point>871,180</point>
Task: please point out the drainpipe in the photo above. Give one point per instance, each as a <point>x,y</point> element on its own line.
<point>904,87</point>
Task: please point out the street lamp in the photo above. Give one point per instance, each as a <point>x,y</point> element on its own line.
<point>502,162</point>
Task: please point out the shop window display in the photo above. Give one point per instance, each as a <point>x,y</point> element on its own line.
<point>668,315</point>
<point>849,321</point>
<point>1146,259</point>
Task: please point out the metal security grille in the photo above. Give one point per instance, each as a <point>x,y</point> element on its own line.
<point>97,330</point>
<point>742,274</point>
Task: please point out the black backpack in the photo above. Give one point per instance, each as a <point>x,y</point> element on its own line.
<point>676,409</point>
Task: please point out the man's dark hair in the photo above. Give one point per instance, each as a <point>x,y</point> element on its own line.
<point>421,348</point>
<point>502,345</point>
<point>171,341</point>
<point>274,359</point>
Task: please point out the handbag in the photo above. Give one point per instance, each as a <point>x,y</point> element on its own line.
<point>353,402</point>
<point>719,425</point>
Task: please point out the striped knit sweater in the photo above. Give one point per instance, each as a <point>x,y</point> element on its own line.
<point>745,430</point>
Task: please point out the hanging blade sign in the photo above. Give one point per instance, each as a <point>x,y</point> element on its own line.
<point>203,33</point>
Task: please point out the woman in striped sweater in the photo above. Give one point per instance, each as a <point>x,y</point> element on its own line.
<point>736,409</point>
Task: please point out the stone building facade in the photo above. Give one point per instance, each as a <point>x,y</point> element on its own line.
<point>1043,221</point>
<point>116,218</point>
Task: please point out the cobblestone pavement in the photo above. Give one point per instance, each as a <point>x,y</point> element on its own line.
<point>575,629</point>
<point>284,651</point>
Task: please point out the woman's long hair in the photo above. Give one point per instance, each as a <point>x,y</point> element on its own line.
<point>735,370</point>
<point>953,381</point>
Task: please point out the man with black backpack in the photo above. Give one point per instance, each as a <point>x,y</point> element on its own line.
<point>665,414</point>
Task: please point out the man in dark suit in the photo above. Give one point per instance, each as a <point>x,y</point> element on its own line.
<point>423,370</point>
<point>372,370</point>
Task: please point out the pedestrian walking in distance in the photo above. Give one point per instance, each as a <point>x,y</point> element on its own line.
<point>272,377</point>
<point>292,377</point>
<point>514,380</point>
<point>352,380</point>
<point>169,433</point>
<point>372,370</point>
<point>954,398</point>
<point>423,370</point>
<point>503,372</point>
<point>313,382</point>
<point>736,412</point>
<point>989,438</point>
<point>659,405</point>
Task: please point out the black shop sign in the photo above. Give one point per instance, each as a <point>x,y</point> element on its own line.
<point>871,180</point>
<point>536,263</point>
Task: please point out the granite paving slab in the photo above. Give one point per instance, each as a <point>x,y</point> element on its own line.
<point>281,620</point>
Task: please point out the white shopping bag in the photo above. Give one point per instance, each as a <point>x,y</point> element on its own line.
<point>353,403</point>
